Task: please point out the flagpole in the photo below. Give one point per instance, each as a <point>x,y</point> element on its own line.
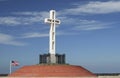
<point>10,67</point>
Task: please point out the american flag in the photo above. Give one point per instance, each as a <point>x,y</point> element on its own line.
<point>14,63</point>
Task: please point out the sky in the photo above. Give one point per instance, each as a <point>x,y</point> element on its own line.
<point>89,33</point>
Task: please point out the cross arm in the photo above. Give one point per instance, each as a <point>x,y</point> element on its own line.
<point>48,20</point>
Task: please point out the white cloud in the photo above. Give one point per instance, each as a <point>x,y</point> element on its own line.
<point>82,24</point>
<point>68,20</point>
<point>95,7</point>
<point>34,35</point>
<point>41,35</point>
<point>27,17</point>
<point>28,13</point>
<point>91,25</point>
<point>59,33</point>
<point>9,40</point>
<point>33,16</point>
<point>15,21</point>
<point>24,18</point>
<point>9,20</point>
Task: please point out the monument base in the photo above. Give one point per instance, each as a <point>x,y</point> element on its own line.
<point>48,59</point>
<point>53,71</point>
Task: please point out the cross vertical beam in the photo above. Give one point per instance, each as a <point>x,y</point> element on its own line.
<point>52,21</point>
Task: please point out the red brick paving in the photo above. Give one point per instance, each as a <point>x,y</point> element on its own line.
<point>52,71</point>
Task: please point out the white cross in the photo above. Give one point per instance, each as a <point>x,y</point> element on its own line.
<point>52,21</point>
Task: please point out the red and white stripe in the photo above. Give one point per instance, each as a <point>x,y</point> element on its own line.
<point>14,63</point>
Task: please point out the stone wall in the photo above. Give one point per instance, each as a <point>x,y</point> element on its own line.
<point>109,76</point>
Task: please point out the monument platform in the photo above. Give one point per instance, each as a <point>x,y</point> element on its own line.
<point>56,70</point>
<point>46,58</point>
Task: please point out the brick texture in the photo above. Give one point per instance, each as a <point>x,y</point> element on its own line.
<point>52,71</point>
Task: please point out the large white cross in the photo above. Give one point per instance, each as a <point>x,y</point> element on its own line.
<point>52,21</point>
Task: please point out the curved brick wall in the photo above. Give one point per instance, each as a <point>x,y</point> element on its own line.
<point>52,71</point>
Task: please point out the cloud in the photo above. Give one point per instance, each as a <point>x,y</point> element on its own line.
<point>28,18</point>
<point>95,7</point>
<point>34,35</point>
<point>24,18</point>
<point>41,35</point>
<point>83,24</point>
<point>15,21</point>
<point>91,25</point>
<point>9,21</point>
<point>28,13</point>
<point>9,40</point>
<point>66,15</point>
<point>59,33</point>
<point>68,20</point>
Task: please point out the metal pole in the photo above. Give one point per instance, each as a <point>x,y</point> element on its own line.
<point>10,67</point>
